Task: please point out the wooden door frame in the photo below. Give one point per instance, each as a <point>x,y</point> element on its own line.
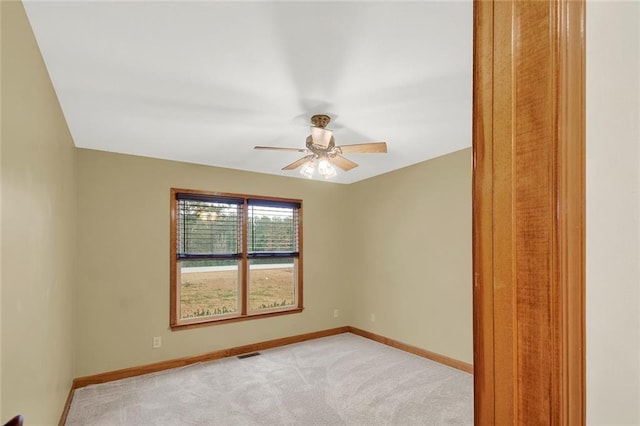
<point>529,212</point>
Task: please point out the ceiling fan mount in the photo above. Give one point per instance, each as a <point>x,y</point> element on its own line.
<point>321,148</point>
<point>320,120</point>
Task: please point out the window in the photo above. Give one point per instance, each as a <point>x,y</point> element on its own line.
<point>233,257</point>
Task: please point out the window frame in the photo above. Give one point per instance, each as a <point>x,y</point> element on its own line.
<point>175,322</point>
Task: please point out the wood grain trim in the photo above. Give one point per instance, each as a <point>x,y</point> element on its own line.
<point>173,277</point>
<point>181,362</point>
<point>482,205</point>
<point>243,290</point>
<point>67,406</point>
<point>238,350</point>
<point>414,350</point>
<point>238,318</point>
<point>81,382</point>
<point>528,200</point>
<point>571,187</point>
<point>300,276</point>
<point>234,195</point>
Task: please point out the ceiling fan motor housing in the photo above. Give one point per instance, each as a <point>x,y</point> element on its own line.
<point>320,120</point>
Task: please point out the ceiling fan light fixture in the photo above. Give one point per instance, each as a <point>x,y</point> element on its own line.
<point>325,169</point>
<point>307,169</point>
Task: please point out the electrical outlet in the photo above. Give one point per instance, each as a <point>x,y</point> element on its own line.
<point>336,313</point>
<point>373,317</point>
<point>157,342</point>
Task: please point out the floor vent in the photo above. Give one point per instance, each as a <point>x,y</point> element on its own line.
<point>248,355</point>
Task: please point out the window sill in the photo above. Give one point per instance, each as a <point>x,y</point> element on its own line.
<point>209,322</point>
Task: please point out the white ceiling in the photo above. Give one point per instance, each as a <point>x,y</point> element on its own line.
<point>204,82</point>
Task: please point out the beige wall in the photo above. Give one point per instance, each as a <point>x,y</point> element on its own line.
<point>123,265</point>
<point>123,260</point>
<point>38,232</point>
<point>410,244</point>
<point>613,213</point>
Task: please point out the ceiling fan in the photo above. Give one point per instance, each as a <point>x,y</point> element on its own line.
<point>321,149</point>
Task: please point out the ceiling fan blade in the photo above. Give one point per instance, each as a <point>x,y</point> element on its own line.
<point>278,148</point>
<point>343,163</point>
<point>364,148</point>
<point>297,163</point>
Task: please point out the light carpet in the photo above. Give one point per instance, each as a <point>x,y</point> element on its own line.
<point>338,380</point>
